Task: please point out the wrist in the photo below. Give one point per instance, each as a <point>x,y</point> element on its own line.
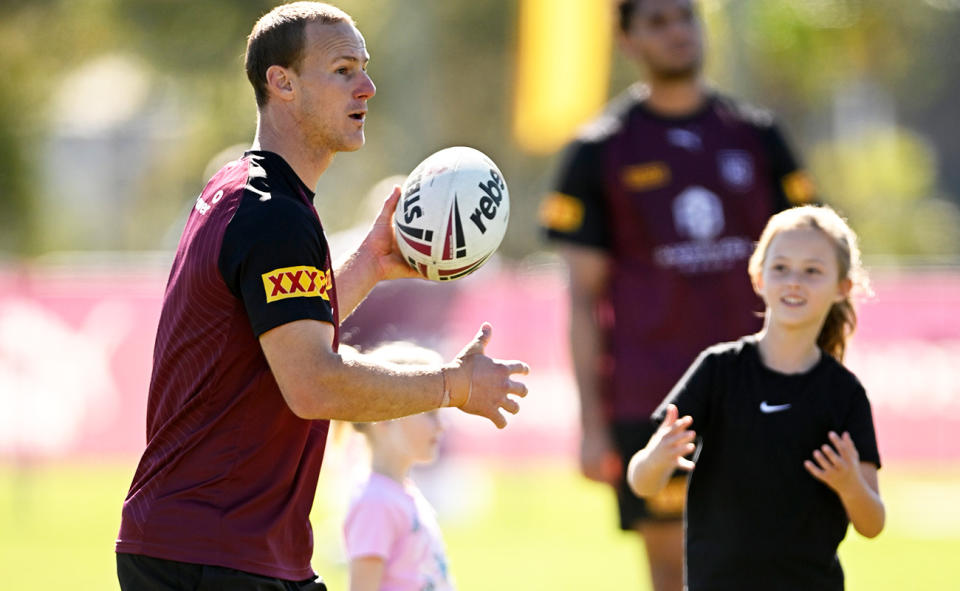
<point>365,264</point>
<point>457,384</point>
<point>851,489</point>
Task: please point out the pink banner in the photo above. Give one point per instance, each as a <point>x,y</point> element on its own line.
<point>76,347</point>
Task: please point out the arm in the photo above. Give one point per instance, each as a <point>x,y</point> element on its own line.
<point>589,270</point>
<point>376,259</point>
<point>318,383</point>
<point>366,573</point>
<point>651,467</point>
<point>855,482</point>
<point>792,184</point>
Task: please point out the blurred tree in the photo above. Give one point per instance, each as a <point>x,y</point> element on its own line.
<point>446,75</point>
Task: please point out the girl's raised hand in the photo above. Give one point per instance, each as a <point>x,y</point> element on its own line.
<point>839,466</point>
<point>673,440</point>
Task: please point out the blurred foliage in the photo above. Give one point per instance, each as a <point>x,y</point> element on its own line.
<point>445,76</point>
<point>885,181</point>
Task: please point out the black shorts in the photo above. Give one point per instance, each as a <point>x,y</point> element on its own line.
<point>145,573</point>
<point>667,505</point>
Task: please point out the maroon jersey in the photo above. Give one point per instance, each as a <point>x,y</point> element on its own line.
<point>229,472</point>
<point>677,203</point>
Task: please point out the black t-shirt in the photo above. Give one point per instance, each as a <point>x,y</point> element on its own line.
<point>274,255</point>
<point>677,203</point>
<point>756,519</point>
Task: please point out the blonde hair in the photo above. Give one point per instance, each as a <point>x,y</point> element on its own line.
<point>400,353</point>
<point>841,320</point>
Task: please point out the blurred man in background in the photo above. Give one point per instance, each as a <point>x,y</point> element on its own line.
<point>246,369</point>
<point>655,211</point>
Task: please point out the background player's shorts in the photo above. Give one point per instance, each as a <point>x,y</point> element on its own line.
<point>145,573</point>
<point>667,505</point>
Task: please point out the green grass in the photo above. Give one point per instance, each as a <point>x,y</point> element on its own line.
<point>535,527</point>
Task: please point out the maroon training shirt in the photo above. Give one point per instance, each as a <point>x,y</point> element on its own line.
<point>677,203</point>
<point>229,472</point>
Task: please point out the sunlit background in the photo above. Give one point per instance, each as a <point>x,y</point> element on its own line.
<point>113,113</point>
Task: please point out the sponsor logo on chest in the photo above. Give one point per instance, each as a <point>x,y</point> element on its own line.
<point>736,169</point>
<point>700,224</point>
<point>646,176</point>
<point>684,138</point>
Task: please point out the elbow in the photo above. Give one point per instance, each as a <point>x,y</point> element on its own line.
<point>308,396</point>
<point>302,403</point>
<point>872,529</point>
<point>872,532</point>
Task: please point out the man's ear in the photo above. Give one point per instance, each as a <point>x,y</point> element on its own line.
<point>280,83</point>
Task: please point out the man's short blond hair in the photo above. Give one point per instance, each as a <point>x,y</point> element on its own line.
<point>278,38</point>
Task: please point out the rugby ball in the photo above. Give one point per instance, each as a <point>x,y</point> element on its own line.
<point>452,213</point>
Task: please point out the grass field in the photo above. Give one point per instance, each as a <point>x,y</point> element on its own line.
<point>531,527</point>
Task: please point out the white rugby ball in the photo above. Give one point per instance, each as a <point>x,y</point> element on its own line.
<point>452,213</point>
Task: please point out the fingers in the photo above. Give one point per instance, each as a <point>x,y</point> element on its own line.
<point>516,367</point>
<point>814,470</point>
<point>685,464</point>
<point>681,443</point>
<point>846,447</point>
<point>823,462</point>
<point>510,405</point>
<point>671,416</point>
<point>498,419</point>
<point>673,423</point>
<point>518,388</point>
<point>390,204</point>
<point>479,342</point>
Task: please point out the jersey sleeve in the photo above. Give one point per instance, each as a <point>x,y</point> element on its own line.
<point>274,259</point>
<point>575,211</point>
<point>859,423</point>
<point>372,527</point>
<point>792,184</point>
<point>692,393</point>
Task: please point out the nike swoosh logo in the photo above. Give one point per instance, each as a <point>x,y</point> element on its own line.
<point>769,408</point>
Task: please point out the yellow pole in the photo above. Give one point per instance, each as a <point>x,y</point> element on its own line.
<point>563,69</point>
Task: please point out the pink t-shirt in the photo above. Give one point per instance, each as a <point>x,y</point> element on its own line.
<point>396,523</point>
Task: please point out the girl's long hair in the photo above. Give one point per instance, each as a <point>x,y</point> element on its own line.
<point>841,320</point>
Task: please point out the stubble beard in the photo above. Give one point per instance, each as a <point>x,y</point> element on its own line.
<point>686,73</point>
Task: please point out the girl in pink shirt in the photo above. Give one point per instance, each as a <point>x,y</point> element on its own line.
<point>391,534</point>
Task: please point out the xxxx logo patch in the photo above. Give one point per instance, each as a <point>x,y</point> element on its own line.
<point>296,282</point>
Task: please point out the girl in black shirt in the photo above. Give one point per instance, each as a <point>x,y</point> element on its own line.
<point>786,453</point>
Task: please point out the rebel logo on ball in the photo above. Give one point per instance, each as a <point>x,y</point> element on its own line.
<point>487,206</point>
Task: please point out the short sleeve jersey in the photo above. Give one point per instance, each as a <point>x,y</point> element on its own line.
<point>677,204</point>
<point>755,518</point>
<point>229,472</point>
<point>394,522</point>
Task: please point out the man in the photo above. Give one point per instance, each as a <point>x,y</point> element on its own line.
<point>246,369</point>
<point>656,210</point>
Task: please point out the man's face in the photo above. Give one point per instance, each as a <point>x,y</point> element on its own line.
<point>333,87</point>
<point>666,37</point>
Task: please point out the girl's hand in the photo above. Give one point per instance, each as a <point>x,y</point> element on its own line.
<point>839,466</point>
<point>672,441</point>
<point>651,467</point>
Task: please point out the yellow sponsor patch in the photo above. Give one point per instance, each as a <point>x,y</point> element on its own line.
<point>296,282</point>
<point>561,212</point>
<point>643,177</point>
<point>799,187</point>
<point>670,500</point>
